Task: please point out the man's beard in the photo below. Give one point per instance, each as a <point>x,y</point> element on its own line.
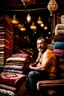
<point>40,49</point>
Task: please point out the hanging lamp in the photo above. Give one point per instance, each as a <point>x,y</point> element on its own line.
<point>52,6</point>
<point>22,28</point>
<point>33,26</point>
<point>45,27</point>
<point>39,21</point>
<point>28,18</point>
<point>42,24</point>
<point>14,20</point>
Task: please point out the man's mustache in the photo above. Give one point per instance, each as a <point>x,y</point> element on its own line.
<point>40,48</point>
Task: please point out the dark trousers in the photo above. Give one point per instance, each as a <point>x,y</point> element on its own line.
<point>34,77</point>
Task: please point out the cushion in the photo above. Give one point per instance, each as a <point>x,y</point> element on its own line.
<point>49,83</point>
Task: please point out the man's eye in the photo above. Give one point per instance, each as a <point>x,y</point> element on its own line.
<point>41,43</point>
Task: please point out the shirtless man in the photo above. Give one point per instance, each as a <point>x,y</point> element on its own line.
<point>43,68</point>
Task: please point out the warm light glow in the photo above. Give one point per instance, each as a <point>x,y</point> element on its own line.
<point>14,20</point>
<point>45,27</point>
<point>42,25</point>
<point>33,26</point>
<point>22,27</point>
<point>39,21</point>
<point>28,17</point>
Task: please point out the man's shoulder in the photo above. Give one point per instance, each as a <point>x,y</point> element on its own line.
<point>49,52</point>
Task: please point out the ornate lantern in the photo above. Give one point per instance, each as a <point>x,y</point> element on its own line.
<point>52,6</point>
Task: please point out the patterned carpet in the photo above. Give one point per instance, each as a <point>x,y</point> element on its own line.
<point>22,92</point>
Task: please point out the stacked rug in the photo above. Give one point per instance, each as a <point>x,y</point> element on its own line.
<point>13,75</point>
<point>59,45</point>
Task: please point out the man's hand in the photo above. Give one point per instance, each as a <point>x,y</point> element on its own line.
<point>30,66</point>
<point>38,64</point>
<point>33,64</point>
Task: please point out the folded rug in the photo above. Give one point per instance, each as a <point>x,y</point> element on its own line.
<point>59,45</point>
<point>59,52</point>
<point>58,38</point>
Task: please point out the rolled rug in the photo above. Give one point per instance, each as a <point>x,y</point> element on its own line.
<point>58,38</point>
<point>59,52</point>
<point>59,45</point>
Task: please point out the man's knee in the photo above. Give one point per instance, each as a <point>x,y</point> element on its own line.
<point>30,74</point>
<point>33,74</point>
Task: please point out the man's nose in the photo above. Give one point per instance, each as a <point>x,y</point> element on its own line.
<point>40,45</point>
